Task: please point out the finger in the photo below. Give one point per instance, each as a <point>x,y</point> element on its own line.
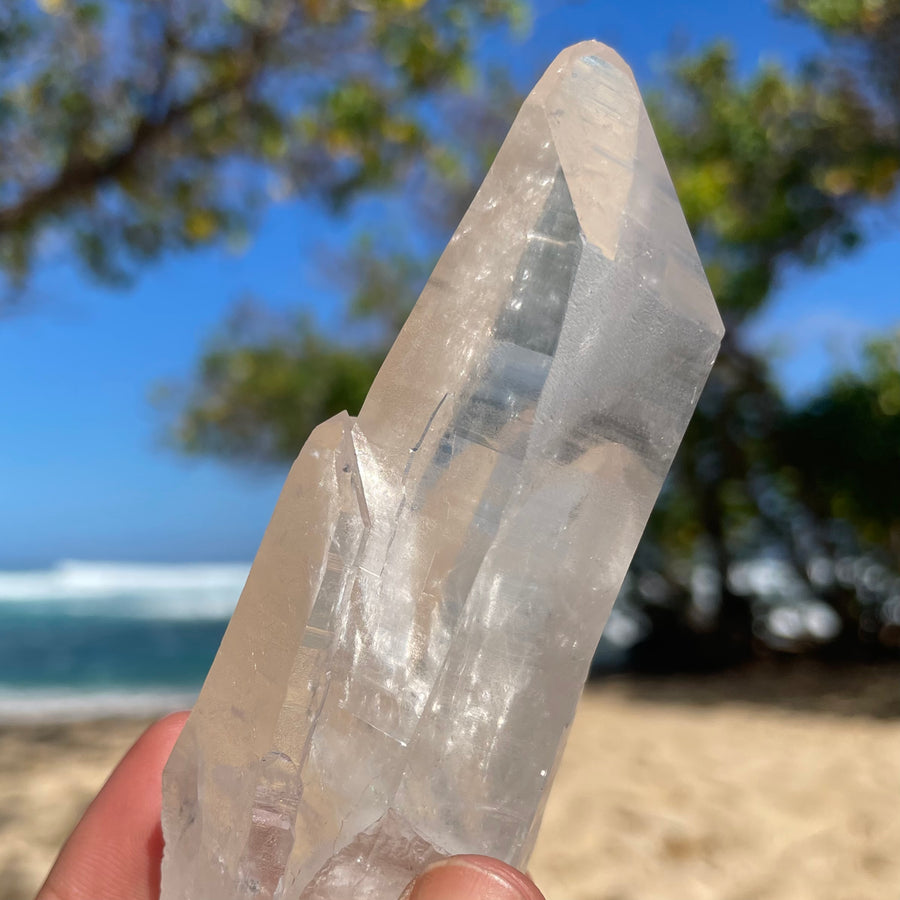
<point>115,851</point>
<point>475,877</point>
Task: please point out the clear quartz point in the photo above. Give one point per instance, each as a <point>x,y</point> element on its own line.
<point>400,674</point>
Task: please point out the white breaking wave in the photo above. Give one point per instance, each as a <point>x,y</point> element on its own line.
<point>52,705</point>
<point>189,591</point>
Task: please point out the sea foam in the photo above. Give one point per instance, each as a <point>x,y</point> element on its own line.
<point>185,591</point>
<point>43,705</point>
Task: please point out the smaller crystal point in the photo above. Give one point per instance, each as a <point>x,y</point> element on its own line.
<point>399,676</point>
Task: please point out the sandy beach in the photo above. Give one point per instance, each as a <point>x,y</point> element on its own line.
<point>780,784</point>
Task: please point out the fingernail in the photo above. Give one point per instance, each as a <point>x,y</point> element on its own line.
<point>471,878</point>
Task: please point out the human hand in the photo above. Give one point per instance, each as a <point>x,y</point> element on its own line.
<point>115,851</point>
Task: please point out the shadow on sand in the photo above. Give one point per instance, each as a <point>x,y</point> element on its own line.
<point>871,690</point>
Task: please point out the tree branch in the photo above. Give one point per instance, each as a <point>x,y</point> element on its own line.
<point>82,176</point>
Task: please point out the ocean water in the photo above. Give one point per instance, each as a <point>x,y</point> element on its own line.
<point>85,639</point>
<point>89,639</point>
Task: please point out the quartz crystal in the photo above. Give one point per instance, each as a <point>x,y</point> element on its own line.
<point>399,676</point>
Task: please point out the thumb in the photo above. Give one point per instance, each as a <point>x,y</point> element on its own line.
<point>475,877</point>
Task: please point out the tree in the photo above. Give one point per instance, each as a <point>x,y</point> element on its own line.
<point>773,172</point>
<point>134,127</point>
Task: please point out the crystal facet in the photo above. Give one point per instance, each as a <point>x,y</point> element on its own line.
<point>399,676</point>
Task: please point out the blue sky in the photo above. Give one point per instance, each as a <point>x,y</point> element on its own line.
<point>82,471</point>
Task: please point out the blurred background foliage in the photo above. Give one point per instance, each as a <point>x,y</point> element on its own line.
<point>131,128</point>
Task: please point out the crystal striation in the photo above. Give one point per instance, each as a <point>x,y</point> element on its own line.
<point>399,676</point>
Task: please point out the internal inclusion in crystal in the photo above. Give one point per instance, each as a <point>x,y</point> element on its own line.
<point>398,679</point>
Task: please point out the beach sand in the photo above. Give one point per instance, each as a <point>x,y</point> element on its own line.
<point>781,784</point>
